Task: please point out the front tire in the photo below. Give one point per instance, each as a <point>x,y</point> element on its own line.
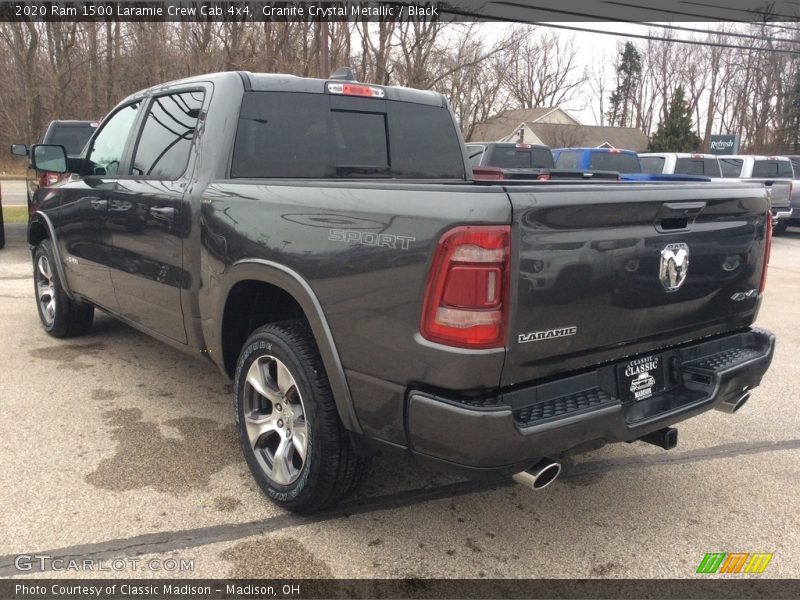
<point>60,316</point>
<point>292,438</point>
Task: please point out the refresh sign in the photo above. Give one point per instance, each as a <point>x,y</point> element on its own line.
<point>724,144</point>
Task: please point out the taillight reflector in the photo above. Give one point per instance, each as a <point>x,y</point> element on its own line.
<point>768,242</point>
<point>466,297</point>
<point>487,173</point>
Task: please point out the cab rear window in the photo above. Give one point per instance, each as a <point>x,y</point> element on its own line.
<point>314,136</point>
<point>698,166</point>
<point>623,162</point>
<point>780,169</point>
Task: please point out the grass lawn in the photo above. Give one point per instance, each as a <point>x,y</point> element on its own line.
<point>15,214</point>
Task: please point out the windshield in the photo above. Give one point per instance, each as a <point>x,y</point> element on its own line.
<point>511,157</point>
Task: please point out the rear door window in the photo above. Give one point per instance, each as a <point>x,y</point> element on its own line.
<point>166,138</point>
<point>298,135</point>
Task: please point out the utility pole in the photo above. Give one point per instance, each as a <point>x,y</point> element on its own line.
<point>324,50</point>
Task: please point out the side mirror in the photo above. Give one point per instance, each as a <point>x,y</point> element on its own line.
<point>45,157</point>
<point>19,150</point>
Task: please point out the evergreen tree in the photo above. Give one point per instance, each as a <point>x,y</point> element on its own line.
<point>675,133</point>
<point>791,118</point>
<point>629,73</point>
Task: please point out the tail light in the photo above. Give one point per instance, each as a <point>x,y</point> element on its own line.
<point>487,173</point>
<point>353,89</point>
<point>544,177</point>
<point>47,178</point>
<point>466,298</point>
<point>768,243</point>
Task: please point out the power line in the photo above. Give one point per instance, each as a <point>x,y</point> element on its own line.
<point>615,33</point>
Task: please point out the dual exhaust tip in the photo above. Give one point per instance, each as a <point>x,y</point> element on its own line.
<point>540,475</point>
<point>734,405</point>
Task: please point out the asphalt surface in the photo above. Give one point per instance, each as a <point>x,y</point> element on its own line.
<point>114,446</point>
<point>12,192</point>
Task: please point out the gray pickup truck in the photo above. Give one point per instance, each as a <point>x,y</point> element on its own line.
<point>324,244</point>
<point>775,172</point>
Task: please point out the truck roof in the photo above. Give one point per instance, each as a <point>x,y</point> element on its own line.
<point>678,154</point>
<point>754,156</point>
<point>274,82</point>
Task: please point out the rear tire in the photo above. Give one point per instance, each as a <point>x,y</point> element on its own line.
<point>292,438</point>
<point>61,317</point>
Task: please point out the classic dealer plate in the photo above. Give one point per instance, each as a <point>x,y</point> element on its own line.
<point>641,378</point>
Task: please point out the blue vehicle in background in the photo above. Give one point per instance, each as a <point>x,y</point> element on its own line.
<point>626,162</point>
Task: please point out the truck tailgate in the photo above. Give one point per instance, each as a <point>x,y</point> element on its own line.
<point>605,272</point>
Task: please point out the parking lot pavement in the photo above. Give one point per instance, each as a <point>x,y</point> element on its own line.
<point>114,445</point>
<point>13,192</point>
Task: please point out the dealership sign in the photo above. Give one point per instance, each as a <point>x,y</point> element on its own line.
<point>724,144</point>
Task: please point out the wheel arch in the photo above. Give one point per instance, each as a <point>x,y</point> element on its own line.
<point>282,281</point>
<point>40,228</point>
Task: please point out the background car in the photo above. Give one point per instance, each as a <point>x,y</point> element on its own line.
<point>73,135</point>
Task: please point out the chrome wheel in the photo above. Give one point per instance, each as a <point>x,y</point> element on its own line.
<point>275,419</point>
<point>45,290</point>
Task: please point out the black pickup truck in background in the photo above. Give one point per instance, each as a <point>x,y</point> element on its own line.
<point>325,244</point>
<point>506,160</point>
<point>73,135</point>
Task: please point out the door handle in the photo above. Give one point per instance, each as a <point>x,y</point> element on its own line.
<point>98,204</point>
<point>166,213</point>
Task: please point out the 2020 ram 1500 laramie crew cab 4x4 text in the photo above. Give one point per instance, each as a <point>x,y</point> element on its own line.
<point>324,243</point>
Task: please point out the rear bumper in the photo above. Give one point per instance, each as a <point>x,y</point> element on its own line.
<point>782,212</point>
<point>585,411</point>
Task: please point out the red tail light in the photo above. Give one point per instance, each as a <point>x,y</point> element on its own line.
<point>544,177</point>
<point>466,299</point>
<point>768,243</point>
<point>47,178</point>
<point>487,173</point>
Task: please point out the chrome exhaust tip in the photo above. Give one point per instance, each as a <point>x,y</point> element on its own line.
<point>540,475</point>
<point>734,405</point>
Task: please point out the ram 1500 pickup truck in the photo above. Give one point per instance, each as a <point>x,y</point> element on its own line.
<point>324,243</point>
<point>507,160</point>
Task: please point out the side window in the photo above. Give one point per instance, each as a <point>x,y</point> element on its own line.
<point>166,140</point>
<point>475,153</point>
<point>108,146</point>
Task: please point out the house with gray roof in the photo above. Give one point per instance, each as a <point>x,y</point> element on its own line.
<point>556,128</point>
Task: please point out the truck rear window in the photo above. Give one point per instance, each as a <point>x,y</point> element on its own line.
<point>622,162</point>
<point>698,166</point>
<point>780,169</point>
<point>511,157</point>
<point>314,136</point>
<point>72,136</point>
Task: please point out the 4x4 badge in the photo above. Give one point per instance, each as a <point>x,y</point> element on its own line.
<point>674,266</point>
